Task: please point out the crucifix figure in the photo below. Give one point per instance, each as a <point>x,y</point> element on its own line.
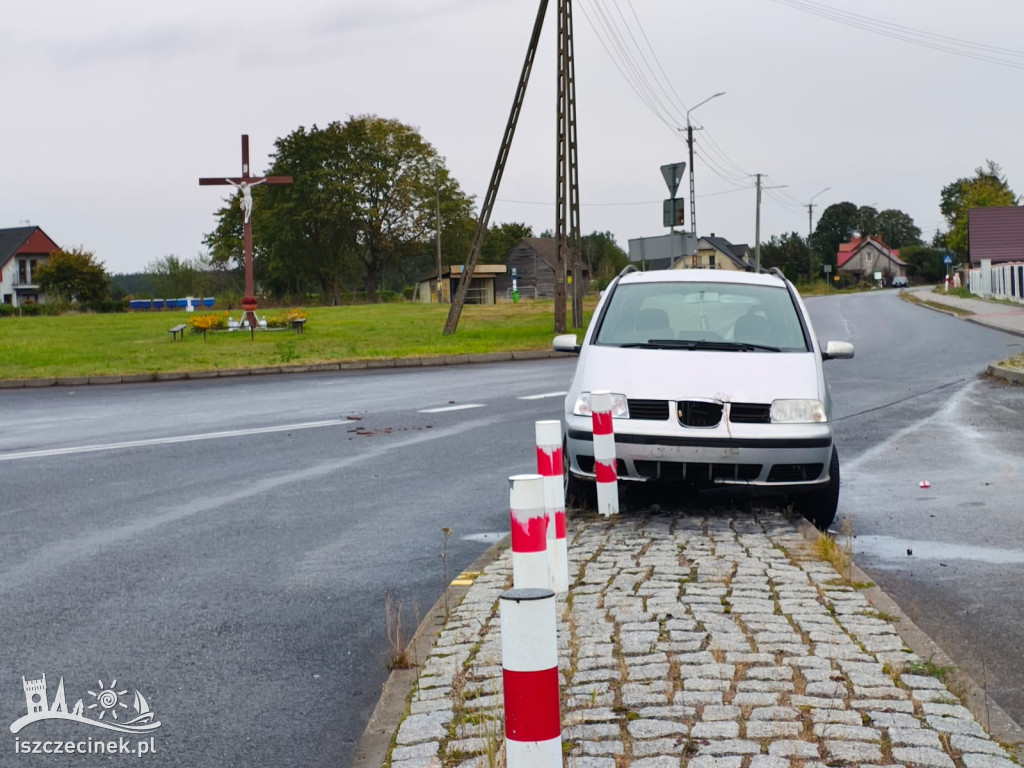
<point>244,184</point>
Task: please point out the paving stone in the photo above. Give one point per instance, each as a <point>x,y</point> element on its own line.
<point>841,716</point>
<point>774,713</point>
<point>716,729</point>
<point>429,726</point>
<point>714,712</point>
<point>846,732</point>
<point>712,761</point>
<point>590,731</point>
<point>671,712</point>
<point>988,761</point>
<point>914,737</point>
<point>591,762</point>
<point>773,729</point>
<point>893,720</point>
<point>955,725</point>
<point>756,699</point>
<point>768,761</point>
<point>729,747</point>
<point>922,756</point>
<point>853,751</point>
<point>793,748</point>
<point>652,729</point>
<point>972,744</point>
<point>425,749</point>
<point>608,747</point>
<point>922,681</point>
<point>656,748</point>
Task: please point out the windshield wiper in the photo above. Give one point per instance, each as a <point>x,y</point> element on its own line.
<point>724,346</point>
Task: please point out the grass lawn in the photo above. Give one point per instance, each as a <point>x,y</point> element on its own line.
<point>93,345</point>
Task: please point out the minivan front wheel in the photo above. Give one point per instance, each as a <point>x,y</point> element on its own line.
<point>819,507</point>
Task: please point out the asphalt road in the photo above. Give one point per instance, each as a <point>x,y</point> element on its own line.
<point>913,407</point>
<point>225,546</point>
<point>238,580</point>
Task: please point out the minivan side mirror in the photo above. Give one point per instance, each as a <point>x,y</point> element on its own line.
<point>837,350</point>
<point>566,342</point>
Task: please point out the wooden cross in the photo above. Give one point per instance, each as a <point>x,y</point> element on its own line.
<point>244,185</point>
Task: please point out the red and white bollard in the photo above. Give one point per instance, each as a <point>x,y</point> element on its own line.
<point>549,464</point>
<point>529,660</point>
<point>604,453</point>
<point>529,531</point>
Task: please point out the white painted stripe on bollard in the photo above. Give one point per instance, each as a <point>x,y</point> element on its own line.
<point>529,660</point>
<point>549,464</point>
<point>529,531</point>
<point>604,453</point>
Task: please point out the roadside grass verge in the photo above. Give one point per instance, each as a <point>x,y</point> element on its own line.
<point>96,345</point>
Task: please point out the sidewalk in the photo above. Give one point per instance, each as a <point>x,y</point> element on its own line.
<point>706,642</point>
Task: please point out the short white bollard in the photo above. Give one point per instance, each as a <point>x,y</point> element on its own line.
<point>604,453</point>
<point>529,531</point>
<point>549,464</point>
<point>529,661</point>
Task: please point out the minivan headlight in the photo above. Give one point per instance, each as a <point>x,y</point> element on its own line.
<point>620,406</point>
<point>798,412</point>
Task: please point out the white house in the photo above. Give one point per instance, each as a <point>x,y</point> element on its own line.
<point>22,251</point>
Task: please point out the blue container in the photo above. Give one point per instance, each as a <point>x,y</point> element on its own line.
<point>158,303</point>
<point>208,302</point>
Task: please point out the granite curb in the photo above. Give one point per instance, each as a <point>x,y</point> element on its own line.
<point>356,365</point>
<point>705,641</point>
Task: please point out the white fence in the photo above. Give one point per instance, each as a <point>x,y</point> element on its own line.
<point>1002,281</point>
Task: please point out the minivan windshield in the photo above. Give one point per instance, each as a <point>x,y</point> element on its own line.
<point>706,315</point>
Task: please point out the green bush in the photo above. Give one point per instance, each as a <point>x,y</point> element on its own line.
<point>29,310</point>
<point>6,310</point>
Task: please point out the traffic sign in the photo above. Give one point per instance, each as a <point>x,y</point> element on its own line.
<point>673,174</point>
<point>947,259</point>
<point>674,211</point>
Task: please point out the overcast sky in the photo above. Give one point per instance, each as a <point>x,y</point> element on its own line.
<point>111,111</point>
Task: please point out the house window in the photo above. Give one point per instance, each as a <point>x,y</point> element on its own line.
<point>23,271</point>
<point>869,257</point>
<point>711,261</point>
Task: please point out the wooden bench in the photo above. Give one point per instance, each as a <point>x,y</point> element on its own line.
<point>298,323</point>
<point>178,329</point>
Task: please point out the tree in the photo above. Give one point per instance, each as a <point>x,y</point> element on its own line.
<point>924,264</point>
<point>603,254</point>
<point>74,275</point>
<point>986,189</point>
<point>897,229</point>
<point>838,224</point>
<point>171,276</point>
<point>787,252</point>
<point>501,238</point>
<point>362,208</point>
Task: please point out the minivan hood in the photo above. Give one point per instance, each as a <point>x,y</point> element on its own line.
<point>675,374</point>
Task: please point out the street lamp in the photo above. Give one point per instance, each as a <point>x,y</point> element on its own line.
<point>689,141</point>
<point>810,246</point>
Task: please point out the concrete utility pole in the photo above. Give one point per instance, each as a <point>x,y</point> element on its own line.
<point>810,231</point>
<point>689,142</point>
<point>437,214</point>
<point>757,226</point>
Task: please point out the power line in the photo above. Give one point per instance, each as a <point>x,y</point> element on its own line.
<point>1005,57</point>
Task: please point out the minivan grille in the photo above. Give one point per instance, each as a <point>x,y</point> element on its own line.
<point>699,413</point>
<point>648,410</point>
<point>750,413</point>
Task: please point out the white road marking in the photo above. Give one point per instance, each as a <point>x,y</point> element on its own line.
<point>447,408</point>
<point>168,440</point>
<point>542,396</point>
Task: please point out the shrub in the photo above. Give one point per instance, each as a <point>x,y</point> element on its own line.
<point>6,310</point>
<point>284,319</point>
<point>217,321</point>
<point>29,310</point>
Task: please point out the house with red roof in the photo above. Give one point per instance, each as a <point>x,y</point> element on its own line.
<point>22,251</point>
<point>862,257</point>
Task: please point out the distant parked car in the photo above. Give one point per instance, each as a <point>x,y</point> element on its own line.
<point>900,282</point>
<point>717,381</point>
